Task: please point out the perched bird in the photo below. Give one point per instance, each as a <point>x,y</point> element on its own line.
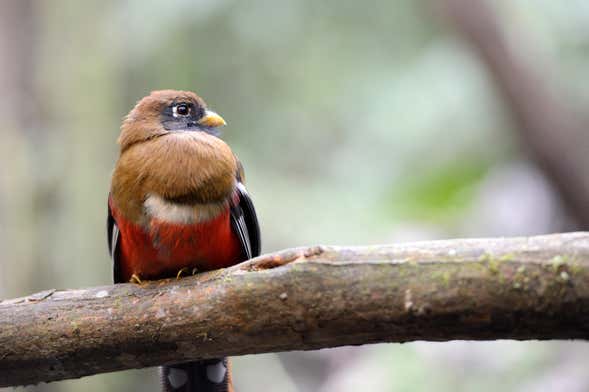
<point>178,205</point>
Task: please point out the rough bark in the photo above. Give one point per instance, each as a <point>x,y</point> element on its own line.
<point>548,126</point>
<point>301,299</point>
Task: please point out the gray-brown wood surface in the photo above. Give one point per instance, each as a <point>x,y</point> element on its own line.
<point>301,299</point>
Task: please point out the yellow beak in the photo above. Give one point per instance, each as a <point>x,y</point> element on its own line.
<point>212,120</point>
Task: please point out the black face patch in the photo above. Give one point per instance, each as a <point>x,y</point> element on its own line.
<point>182,116</point>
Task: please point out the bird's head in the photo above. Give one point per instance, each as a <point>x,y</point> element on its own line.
<point>168,111</point>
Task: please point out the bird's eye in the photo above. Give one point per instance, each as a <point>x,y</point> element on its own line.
<point>181,110</point>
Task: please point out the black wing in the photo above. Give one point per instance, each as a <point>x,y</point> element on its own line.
<point>245,223</point>
<point>112,232</point>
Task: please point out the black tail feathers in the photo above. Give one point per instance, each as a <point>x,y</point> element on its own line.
<point>211,375</point>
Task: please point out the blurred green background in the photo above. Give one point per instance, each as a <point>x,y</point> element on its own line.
<point>357,123</point>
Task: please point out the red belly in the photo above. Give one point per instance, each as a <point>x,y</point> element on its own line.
<point>168,247</point>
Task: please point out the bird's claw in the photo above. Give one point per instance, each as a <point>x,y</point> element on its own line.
<point>135,279</point>
<point>182,271</point>
<point>186,271</point>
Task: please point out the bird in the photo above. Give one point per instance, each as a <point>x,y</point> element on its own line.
<point>178,206</point>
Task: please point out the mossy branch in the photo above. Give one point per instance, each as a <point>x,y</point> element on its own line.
<point>302,299</point>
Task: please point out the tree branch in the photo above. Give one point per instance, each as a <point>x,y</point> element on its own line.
<point>301,299</point>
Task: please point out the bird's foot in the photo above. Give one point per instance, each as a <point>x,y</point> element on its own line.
<point>186,271</point>
<point>135,279</point>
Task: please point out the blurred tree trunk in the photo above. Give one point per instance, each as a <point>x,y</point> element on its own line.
<point>549,127</point>
<point>17,71</point>
<point>18,113</point>
<point>26,215</point>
